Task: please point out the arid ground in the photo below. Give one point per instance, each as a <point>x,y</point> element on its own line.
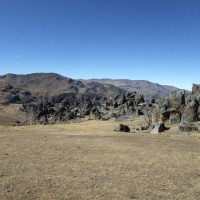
<point>90,161</point>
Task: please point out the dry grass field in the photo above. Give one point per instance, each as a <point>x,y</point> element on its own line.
<point>90,161</point>
<point>9,114</point>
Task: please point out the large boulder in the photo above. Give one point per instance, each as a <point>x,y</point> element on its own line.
<point>190,113</point>
<point>122,128</point>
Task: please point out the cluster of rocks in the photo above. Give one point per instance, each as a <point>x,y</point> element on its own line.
<point>180,107</point>
<point>69,106</point>
<point>126,128</point>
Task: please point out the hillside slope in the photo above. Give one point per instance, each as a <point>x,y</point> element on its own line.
<point>147,88</point>
<point>42,85</point>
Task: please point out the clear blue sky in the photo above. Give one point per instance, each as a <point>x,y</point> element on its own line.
<point>155,40</point>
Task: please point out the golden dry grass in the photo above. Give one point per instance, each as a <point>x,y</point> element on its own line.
<point>9,114</point>
<point>90,161</point>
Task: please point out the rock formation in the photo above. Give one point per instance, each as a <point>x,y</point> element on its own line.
<point>51,98</point>
<point>69,106</point>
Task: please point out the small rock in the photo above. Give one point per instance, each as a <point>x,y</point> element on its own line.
<point>186,127</point>
<point>122,128</point>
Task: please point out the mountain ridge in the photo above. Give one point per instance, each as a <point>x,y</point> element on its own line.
<point>149,89</point>
<point>51,84</point>
<point>42,85</point>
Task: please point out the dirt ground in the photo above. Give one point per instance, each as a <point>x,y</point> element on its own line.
<point>90,161</point>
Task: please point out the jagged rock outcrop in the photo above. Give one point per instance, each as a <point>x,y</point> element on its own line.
<point>178,107</point>
<point>52,98</point>
<point>69,106</point>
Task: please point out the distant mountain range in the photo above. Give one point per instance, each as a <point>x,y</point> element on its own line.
<point>30,87</point>
<point>147,88</point>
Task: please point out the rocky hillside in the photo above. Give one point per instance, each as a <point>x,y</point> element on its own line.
<point>33,87</point>
<point>147,88</point>
<point>51,98</point>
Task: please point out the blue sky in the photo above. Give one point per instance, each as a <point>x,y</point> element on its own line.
<point>155,40</point>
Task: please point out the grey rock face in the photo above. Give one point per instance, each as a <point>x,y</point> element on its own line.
<point>190,113</point>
